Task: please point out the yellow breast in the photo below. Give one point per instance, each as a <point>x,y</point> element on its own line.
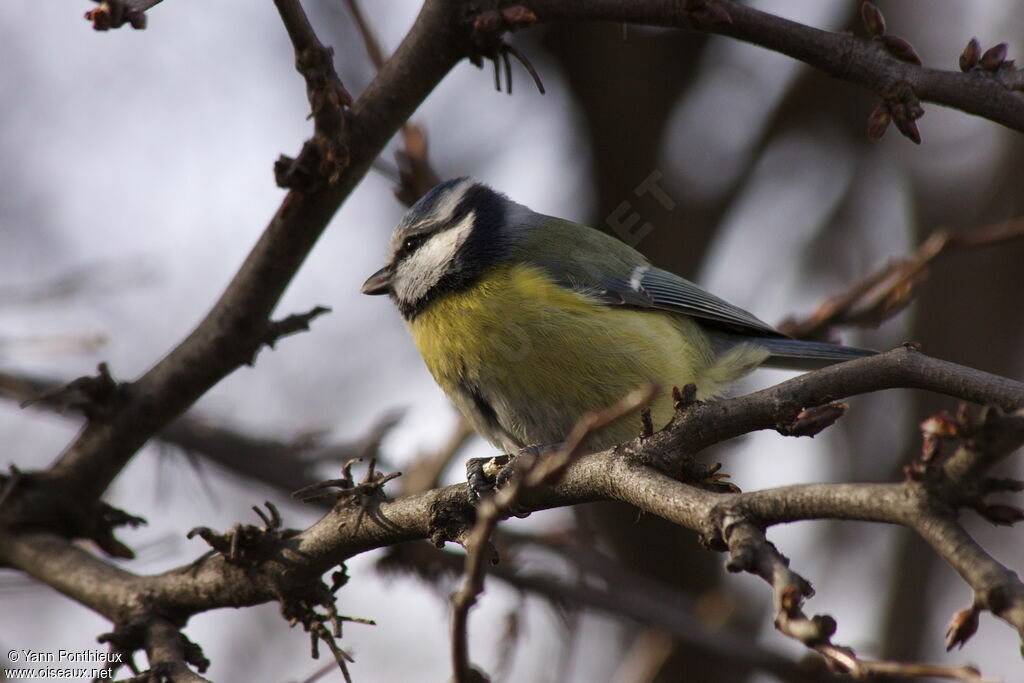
<point>540,355</point>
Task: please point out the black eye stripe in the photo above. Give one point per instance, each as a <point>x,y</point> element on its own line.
<point>412,243</point>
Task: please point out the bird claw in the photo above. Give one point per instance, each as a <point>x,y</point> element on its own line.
<point>482,475</point>
<point>716,479</point>
<point>485,475</point>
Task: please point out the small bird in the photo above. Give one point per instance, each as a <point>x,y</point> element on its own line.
<point>527,321</point>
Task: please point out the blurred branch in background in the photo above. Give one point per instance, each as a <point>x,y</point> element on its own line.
<point>52,345</point>
<point>93,279</point>
<point>891,288</point>
<point>370,42</point>
<point>283,465</point>
<point>413,175</point>
<point>426,471</point>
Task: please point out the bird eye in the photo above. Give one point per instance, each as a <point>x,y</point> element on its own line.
<point>412,242</point>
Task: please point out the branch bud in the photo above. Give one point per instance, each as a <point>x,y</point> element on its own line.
<point>994,57</point>
<point>971,55</point>
<point>916,470</point>
<point>906,125</point>
<point>704,12</point>
<point>647,425</point>
<point>487,22</point>
<point>100,18</point>
<point>136,18</point>
<point>790,600</point>
<point>873,20</point>
<point>826,625</point>
<point>940,425</point>
<point>811,421</point>
<point>961,627</point>
<point>878,121</point>
<point>685,397</point>
<point>900,49</point>
<point>518,16</point>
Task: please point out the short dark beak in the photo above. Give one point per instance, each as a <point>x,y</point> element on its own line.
<point>379,282</point>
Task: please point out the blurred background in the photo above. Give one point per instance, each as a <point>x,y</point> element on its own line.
<point>137,173</point>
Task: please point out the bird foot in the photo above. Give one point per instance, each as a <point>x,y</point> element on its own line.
<point>716,480</point>
<point>484,475</point>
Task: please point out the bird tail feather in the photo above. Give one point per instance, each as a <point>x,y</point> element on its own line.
<point>795,354</point>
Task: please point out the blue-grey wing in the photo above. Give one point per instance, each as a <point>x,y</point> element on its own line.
<point>728,325</point>
<point>650,287</point>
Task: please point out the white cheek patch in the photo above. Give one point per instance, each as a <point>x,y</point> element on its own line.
<point>425,267</point>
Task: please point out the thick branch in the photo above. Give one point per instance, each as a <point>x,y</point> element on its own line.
<point>840,55</point>
<point>229,334</point>
<point>349,530</point>
<point>777,407</point>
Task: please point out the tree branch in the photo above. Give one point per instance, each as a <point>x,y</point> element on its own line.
<point>868,63</point>
<point>231,332</point>
<point>887,291</point>
<point>287,563</point>
<point>325,156</point>
<point>281,464</point>
<point>413,175</point>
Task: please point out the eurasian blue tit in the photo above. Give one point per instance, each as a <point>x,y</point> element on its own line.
<point>529,321</point>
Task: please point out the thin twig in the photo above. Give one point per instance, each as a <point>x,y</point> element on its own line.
<point>373,49</point>
<point>414,175</point>
<point>325,156</point>
<point>751,551</point>
<point>885,292</point>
